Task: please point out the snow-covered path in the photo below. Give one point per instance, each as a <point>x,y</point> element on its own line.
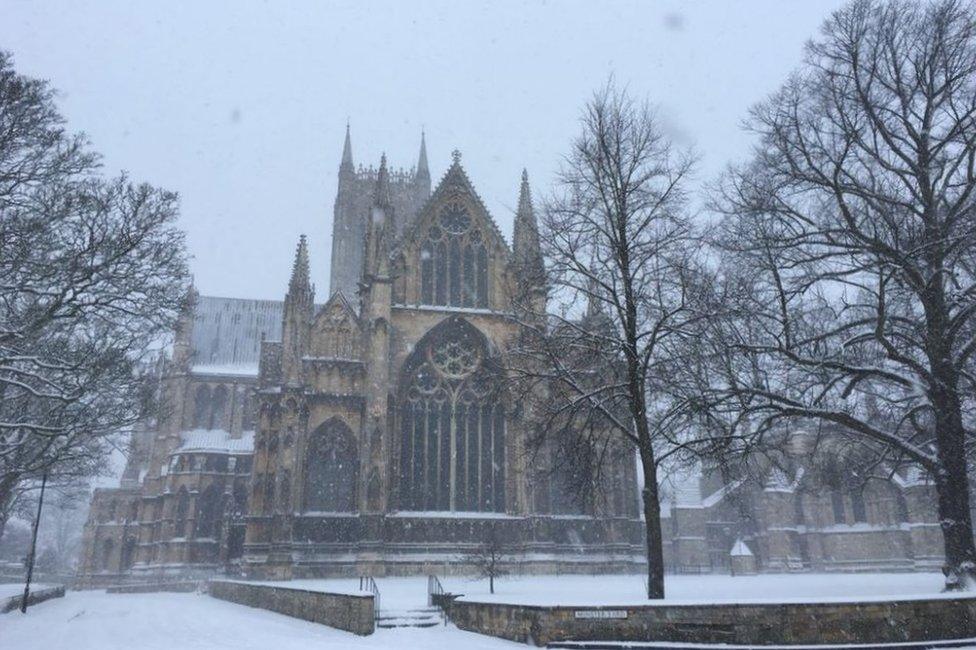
<point>93,620</point>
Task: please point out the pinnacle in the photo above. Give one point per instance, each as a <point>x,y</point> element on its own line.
<point>382,196</point>
<point>300,268</point>
<point>347,150</point>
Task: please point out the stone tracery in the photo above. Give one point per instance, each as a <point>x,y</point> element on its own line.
<point>452,425</point>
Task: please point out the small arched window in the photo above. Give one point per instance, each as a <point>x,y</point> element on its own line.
<point>454,261</point>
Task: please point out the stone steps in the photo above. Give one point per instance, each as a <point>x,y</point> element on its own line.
<point>420,617</point>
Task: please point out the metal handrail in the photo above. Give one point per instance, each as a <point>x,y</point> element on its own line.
<point>434,587</point>
<point>367,583</point>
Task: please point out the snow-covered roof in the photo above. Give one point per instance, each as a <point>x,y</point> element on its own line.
<point>740,550</point>
<point>226,369</point>
<point>216,441</point>
<point>227,332</point>
<point>716,497</point>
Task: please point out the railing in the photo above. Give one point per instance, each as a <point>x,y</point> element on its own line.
<point>366,583</point>
<point>434,588</point>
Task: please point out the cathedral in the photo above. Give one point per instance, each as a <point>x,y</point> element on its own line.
<point>372,432</point>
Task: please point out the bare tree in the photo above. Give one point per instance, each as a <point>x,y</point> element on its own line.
<point>616,238</point>
<point>92,276</point>
<point>489,557</point>
<point>850,251</point>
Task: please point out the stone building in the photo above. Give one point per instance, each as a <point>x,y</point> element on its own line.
<point>371,433</point>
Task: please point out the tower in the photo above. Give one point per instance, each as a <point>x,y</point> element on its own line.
<point>407,191</point>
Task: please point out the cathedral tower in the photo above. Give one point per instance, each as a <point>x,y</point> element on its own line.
<point>408,190</point>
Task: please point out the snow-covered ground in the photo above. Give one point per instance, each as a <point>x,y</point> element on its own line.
<point>88,620</point>
<point>92,620</point>
<point>405,593</point>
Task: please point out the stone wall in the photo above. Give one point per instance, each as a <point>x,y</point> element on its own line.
<point>36,596</point>
<point>763,624</point>
<point>352,613</point>
<point>182,586</point>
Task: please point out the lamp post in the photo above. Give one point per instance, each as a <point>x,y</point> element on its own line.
<point>33,547</point>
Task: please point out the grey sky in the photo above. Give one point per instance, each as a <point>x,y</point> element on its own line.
<point>241,106</point>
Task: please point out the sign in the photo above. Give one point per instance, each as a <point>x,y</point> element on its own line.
<point>600,613</point>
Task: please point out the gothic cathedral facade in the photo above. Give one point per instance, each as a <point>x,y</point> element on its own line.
<point>373,433</point>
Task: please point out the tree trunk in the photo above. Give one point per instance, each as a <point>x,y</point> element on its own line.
<point>652,527</point>
<point>952,488</point>
<point>951,477</point>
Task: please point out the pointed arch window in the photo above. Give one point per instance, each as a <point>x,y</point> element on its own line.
<point>454,261</point>
<point>331,469</point>
<point>108,546</point>
<point>219,408</point>
<point>452,424</point>
<point>201,407</point>
<point>182,510</point>
<point>210,513</point>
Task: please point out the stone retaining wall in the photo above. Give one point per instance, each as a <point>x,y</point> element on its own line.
<point>745,624</point>
<point>39,596</point>
<point>155,587</point>
<point>350,612</point>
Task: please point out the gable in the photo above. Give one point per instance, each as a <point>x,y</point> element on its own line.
<point>335,330</point>
<point>454,188</point>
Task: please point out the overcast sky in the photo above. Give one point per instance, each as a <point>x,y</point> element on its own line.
<point>241,106</point>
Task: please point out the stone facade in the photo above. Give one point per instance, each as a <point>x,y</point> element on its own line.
<point>371,433</point>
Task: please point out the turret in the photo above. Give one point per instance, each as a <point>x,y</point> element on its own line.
<point>530,272</point>
<point>183,342</point>
<point>376,258</point>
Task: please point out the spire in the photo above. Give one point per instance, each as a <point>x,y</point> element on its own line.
<point>423,171</point>
<point>346,163</point>
<point>525,239</point>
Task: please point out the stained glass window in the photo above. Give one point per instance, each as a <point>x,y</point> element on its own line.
<point>454,261</point>
<point>452,425</point>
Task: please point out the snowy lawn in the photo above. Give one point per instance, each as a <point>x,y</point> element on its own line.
<point>404,593</point>
<point>93,620</point>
